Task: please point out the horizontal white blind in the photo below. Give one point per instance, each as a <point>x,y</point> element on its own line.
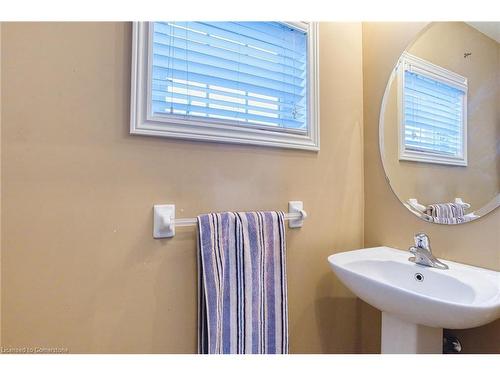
<point>247,73</point>
<point>433,116</point>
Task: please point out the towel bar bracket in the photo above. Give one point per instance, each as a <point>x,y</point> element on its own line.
<point>296,207</point>
<point>164,221</point>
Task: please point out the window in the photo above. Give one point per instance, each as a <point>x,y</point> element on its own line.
<point>238,82</point>
<point>433,113</point>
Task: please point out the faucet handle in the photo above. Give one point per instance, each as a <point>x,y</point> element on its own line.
<point>422,241</point>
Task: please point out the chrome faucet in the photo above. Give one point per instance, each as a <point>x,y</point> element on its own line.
<point>423,253</point>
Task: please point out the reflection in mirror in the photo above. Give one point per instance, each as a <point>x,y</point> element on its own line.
<point>440,123</point>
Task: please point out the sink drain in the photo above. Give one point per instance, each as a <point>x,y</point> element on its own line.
<point>419,277</point>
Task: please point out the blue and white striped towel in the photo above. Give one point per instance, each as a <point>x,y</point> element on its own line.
<point>242,283</point>
<point>446,213</point>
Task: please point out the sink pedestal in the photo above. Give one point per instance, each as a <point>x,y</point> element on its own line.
<point>400,337</point>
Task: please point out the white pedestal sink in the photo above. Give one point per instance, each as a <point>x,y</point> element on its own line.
<point>416,301</point>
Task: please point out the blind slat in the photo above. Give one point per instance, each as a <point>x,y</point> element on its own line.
<point>432,107</point>
<point>424,92</point>
<point>225,69</point>
<point>165,73</point>
<point>162,107</point>
<point>430,149</point>
<point>239,36</point>
<point>221,46</point>
<point>418,115</point>
<point>429,126</point>
<point>187,99</point>
<point>435,86</point>
<point>437,146</point>
<point>429,137</point>
<point>176,85</point>
<point>165,41</point>
<point>425,135</point>
<point>281,38</point>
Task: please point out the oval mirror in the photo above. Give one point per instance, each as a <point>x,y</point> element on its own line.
<point>440,123</point>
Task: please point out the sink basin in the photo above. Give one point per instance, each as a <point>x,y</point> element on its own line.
<point>409,294</point>
<point>460,297</point>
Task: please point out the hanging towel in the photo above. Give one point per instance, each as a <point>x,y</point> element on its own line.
<point>446,213</point>
<point>242,283</point>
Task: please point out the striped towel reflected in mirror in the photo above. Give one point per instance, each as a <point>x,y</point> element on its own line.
<point>446,213</point>
<point>242,286</point>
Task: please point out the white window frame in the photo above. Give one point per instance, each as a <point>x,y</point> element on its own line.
<point>144,123</point>
<point>408,62</point>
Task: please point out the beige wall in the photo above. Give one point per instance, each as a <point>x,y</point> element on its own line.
<point>387,222</point>
<point>80,268</point>
<point>478,182</point>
